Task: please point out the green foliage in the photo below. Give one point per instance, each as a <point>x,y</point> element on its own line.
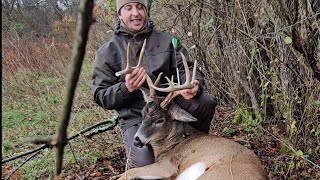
<point>227,132</point>
<point>42,117</point>
<point>12,119</point>
<point>208,25</point>
<point>276,170</point>
<point>111,9</point>
<point>47,81</point>
<point>94,156</point>
<point>317,149</point>
<point>285,149</point>
<point>293,127</point>
<point>111,5</point>
<point>52,99</point>
<point>18,25</point>
<point>317,104</point>
<point>288,40</point>
<point>245,118</point>
<point>7,145</point>
<point>317,133</point>
<point>299,153</point>
<point>254,51</point>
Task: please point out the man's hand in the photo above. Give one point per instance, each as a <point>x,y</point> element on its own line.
<point>190,93</point>
<point>135,79</point>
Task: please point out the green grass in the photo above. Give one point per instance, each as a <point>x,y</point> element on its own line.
<point>31,105</point>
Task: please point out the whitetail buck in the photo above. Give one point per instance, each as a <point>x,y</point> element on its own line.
<point>181,151</point>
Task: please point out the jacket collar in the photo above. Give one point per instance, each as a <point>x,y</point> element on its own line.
<point>120,30</point>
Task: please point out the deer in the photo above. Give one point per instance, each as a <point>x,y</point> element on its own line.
<point>182,152</point>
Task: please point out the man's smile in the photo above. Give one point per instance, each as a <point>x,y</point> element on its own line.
<point>136,21</point>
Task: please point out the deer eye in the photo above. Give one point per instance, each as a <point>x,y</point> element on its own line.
<point>160,121</point>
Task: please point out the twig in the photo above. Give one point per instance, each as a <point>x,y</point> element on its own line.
<point>75,158</point>
<point>127,164</point>
<point>101,130</point>
<point>112,121</point>
<point>22,164</point>
<point>231,167</point>
<point>25,153</point>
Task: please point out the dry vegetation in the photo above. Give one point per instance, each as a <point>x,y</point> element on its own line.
<point>261,60</point>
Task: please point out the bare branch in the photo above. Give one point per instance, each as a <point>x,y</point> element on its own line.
<point>112,123</point>
<point>24,162</point>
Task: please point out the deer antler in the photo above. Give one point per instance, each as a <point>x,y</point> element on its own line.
<point>174,90</point>
<point>129,69</point>
<point>187,85</point>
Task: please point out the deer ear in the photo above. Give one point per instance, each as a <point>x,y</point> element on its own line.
<point>179,114</point>
<point>145,93</point>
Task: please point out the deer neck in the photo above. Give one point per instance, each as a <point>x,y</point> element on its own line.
<point>170,135</point>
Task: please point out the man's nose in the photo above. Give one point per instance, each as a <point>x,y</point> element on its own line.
<point>135,11</point>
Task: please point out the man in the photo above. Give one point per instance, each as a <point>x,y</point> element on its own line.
<point>122,93</point>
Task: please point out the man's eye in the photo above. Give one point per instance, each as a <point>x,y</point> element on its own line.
<point>139,7</point>
<point>128,8</point>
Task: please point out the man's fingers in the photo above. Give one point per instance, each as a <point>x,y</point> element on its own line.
<point>139,79</point>
<point>134,72</point>
<point>143,80</point>
<point>134,75</point>
<point>135,79</point>
<point>190,93</point>
<point>196,82</point>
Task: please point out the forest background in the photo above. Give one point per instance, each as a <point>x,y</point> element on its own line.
<point>261,60</point>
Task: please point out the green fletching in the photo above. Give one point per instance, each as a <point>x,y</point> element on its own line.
<point>175,42</point>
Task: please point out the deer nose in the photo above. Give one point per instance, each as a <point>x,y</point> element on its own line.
<point>137,142</point>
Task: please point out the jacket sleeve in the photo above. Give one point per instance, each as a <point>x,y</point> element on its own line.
<point>199,75</point>
<point>108,92</point>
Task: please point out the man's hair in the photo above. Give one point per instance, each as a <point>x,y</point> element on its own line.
<point>121,3</point>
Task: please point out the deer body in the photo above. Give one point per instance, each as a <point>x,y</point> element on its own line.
<point>175,152</point>
<point>182,152</point>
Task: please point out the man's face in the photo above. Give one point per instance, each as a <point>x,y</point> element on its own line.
<point>133,16</point>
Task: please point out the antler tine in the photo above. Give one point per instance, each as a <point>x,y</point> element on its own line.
<point>129,69</point>
<point>151,84</point>
<point>187,85</point>
<point>141,54</point>
<point>158,79</point>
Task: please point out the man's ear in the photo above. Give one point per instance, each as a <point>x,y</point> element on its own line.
<point>145,93</point>
<point>179,114</point>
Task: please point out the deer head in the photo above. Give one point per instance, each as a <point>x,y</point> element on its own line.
<point>158,111</point>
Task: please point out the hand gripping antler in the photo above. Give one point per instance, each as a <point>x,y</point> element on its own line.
<point>129,69</point>
<point>173,89</point>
